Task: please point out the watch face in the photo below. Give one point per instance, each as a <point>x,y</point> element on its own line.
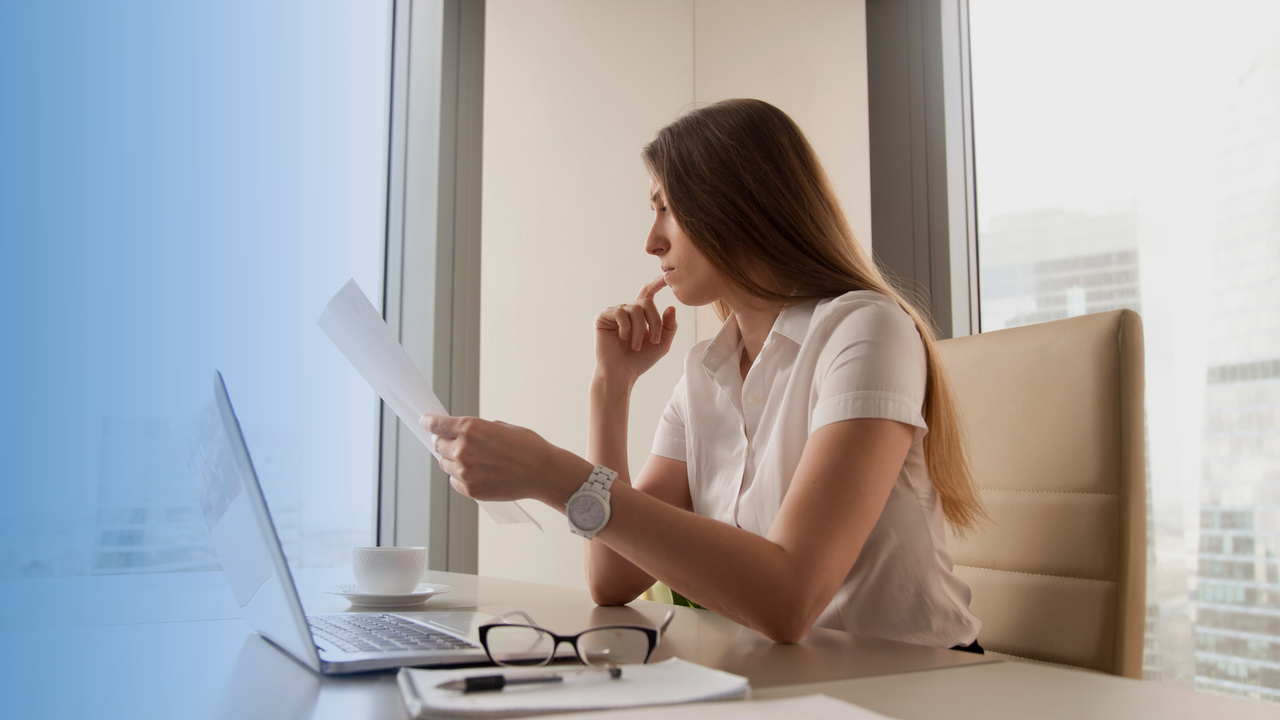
<point>586,511</point>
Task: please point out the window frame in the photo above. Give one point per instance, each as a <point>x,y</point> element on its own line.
<point>923,202</point>
<point>433,231</point>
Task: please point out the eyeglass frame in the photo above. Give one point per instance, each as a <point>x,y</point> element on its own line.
<point>654,635</point>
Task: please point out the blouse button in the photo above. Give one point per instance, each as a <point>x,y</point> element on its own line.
<point>753,400</point>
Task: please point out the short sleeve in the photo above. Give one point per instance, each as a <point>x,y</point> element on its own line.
<point>669,440</point>
<point>872,366</point>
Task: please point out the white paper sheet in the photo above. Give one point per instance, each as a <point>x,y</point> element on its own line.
<point>809,707</point>
<point>668,682</point>
<point>355,326</point>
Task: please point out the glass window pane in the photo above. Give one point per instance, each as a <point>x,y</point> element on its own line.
<point>1128,156</point>
<point>184,187</point>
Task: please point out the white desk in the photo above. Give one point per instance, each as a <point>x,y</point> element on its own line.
<point>175,647</point>
<point>1019,691</point>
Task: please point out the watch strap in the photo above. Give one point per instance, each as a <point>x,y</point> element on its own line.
<point>601,479</point>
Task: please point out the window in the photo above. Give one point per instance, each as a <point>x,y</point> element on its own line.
<point>1128,156</point>
<point>184,188</point>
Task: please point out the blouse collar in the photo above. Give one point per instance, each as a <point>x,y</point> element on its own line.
<point>792,323</point>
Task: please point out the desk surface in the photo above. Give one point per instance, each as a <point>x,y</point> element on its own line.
<point>1018,690</point>
<point>148,652</point>
<point>697,635</point>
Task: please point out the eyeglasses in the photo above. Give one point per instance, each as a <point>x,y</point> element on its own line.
<point>517,644</point>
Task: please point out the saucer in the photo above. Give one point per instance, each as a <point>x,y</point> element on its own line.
<point>354,596</point>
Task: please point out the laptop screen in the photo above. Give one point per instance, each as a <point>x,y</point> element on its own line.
<point>244,536</point>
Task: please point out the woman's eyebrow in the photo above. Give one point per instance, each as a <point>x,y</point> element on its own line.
<point>656,197</point>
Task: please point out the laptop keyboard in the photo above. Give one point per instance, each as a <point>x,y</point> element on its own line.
<point>381,633</point>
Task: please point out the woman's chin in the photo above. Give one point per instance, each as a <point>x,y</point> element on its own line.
<point>684,299</point>
<point>690,299</point>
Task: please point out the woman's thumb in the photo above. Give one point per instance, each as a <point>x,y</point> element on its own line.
<point>668,325</point>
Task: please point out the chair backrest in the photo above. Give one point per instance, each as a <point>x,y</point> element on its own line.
<point>1053,417</point>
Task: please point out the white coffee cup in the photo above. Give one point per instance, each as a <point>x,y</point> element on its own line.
<point>388,570</point>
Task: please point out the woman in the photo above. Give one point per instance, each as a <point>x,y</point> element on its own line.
<point>803,467</point>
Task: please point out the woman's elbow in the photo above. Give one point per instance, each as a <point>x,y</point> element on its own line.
<point>786,630</point>
<point>608,593</point>
<point>789,622</point>
<point>610,596</point>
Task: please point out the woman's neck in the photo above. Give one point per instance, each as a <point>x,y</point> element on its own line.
<point>754,324</point>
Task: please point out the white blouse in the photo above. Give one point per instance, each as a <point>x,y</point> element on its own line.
<point>854,356</point>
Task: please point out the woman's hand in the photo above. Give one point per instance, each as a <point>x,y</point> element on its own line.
<point>496,461</point>
<point>631,337</point>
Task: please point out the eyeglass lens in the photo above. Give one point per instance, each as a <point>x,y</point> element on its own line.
<point>613,646</point>
<point>521,645</point>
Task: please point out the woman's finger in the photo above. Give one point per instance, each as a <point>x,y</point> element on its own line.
<point>651,288</point>
<point>458,485</point>
<point>606,320</point>
<point>449,465</point>
<point>636,315</point>
<point>444,450</point>
<point>442,425</point>
<point>653,319</point>
<point>623,319</point>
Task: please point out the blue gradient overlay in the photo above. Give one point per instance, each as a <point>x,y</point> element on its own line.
<point>182,188</point>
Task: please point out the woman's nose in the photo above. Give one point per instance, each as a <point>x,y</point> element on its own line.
<point>656,243</point>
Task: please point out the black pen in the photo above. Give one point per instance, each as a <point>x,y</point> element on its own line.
<point>480,683</point>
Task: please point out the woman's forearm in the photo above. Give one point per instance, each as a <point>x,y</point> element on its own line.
<point>738,574</point>
<point>607,427</point>
<point>613,580</point>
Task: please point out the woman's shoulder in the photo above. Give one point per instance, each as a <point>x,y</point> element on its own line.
<point>870,341</point>
<point>865,309</point>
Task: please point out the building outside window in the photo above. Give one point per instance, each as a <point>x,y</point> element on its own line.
<point>1128,156</point>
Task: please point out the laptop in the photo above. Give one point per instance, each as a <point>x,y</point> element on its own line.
<point>245,538</point>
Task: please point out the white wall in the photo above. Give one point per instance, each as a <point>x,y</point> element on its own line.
<point>573,90</point>
<point>809,58</point>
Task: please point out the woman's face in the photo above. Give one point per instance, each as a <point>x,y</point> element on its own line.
<point>688,272</point>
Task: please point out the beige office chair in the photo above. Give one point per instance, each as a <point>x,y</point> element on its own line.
<point>1053,417</point>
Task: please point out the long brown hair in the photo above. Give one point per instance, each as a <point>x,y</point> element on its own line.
<point>747,189</point>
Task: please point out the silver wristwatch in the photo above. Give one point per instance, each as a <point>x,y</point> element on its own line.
<point>588,509</point>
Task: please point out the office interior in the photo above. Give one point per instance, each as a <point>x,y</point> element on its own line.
<point>475,167</point>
